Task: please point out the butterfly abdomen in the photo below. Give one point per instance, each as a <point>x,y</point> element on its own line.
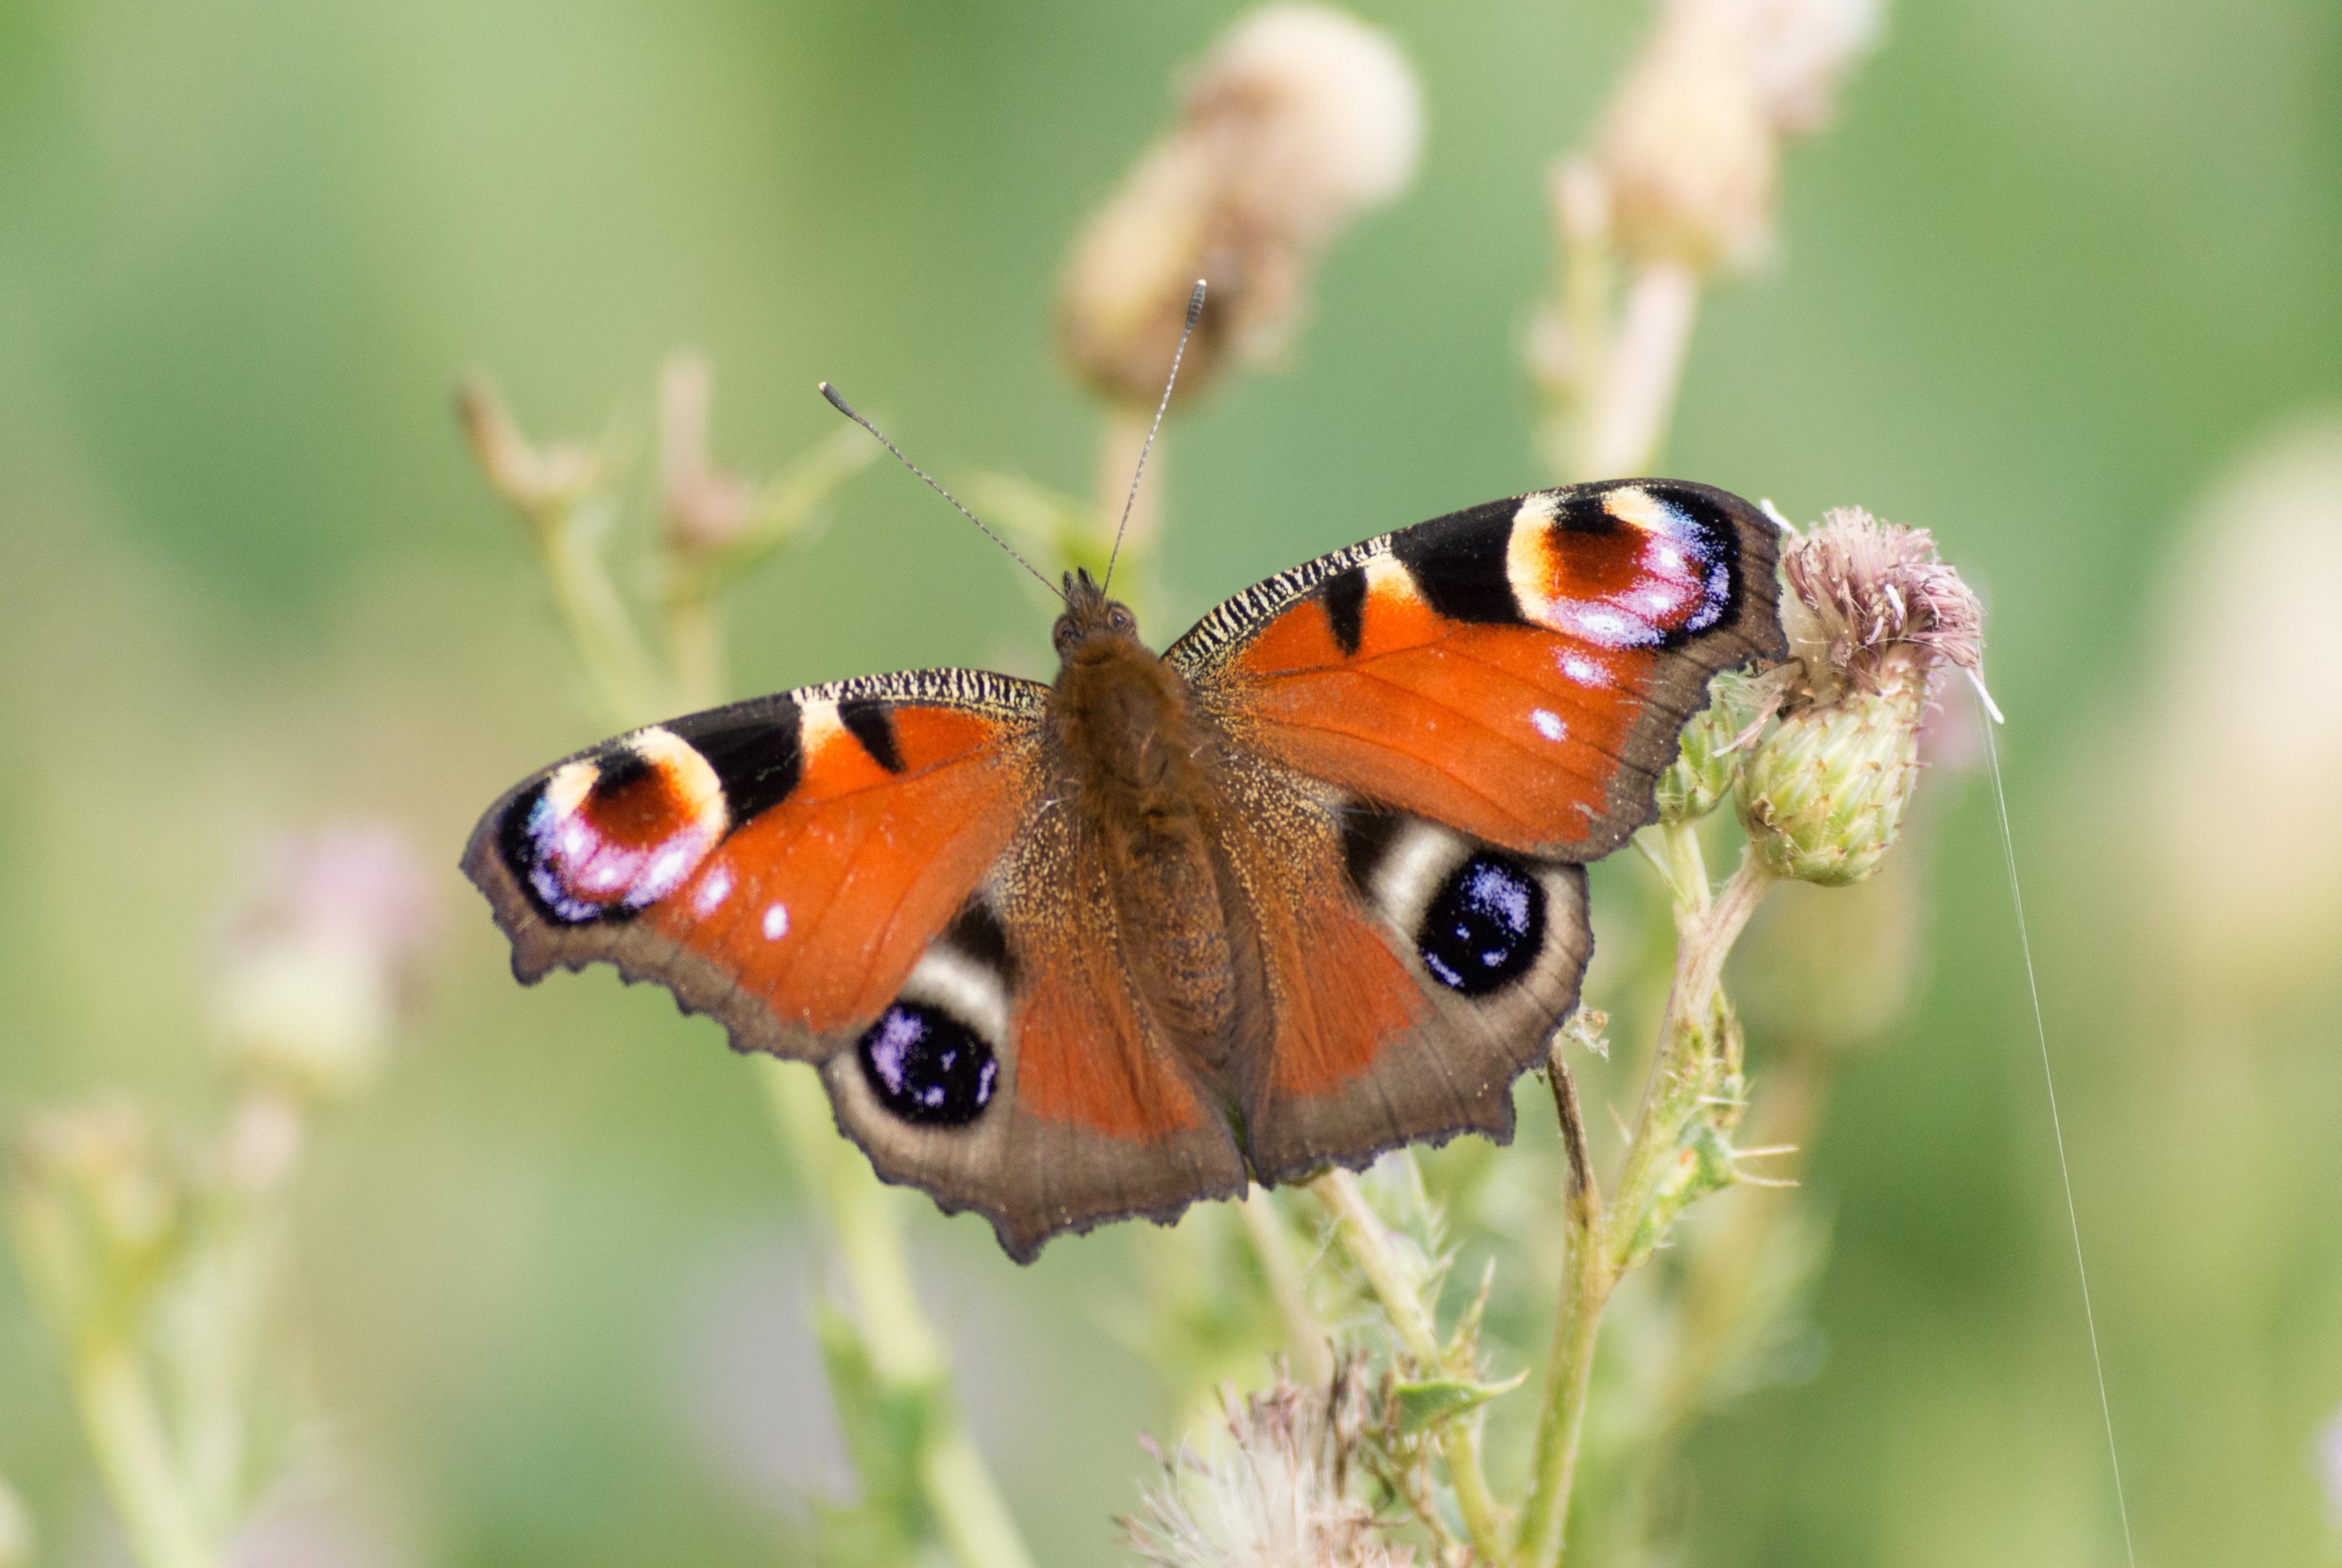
<point>1138,771</point>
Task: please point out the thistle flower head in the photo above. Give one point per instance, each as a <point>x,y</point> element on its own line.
<point>319,957</point>
<point>1874,620</point>
<point>1276,1493</point>
<point>1861,593</point>
<point>1300,119</point>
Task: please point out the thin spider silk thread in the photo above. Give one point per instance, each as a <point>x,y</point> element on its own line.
<point>2056,1126</point>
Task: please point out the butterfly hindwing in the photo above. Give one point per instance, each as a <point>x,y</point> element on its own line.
<point>1411,973</point>
<point>1520,671</point>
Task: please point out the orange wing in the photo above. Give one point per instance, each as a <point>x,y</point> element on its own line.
<point>1486,699</point>
<point>863,876</point>
<point>1520,671</point>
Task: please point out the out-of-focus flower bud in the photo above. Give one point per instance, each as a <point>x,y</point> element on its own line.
<point>1300,119</point>
<point>702,507</point>
<point>2330,1467</point>
<point>539,481</point>
<point>99,1212</point>
<point>1873,619</point>
<point>1798,50</point>
<point>1713,746</point>
<point>320,958</point>
<point>1691,160</point>
<point>16,1531</point>
<point>1691,144</point>
<point>2243,754</point>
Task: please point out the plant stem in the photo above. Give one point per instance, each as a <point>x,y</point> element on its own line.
<point>1586,1280</point>
<point>125,1434</point>
<point>1630,412</point>
<point>1394,1284</point>
<point>1313,1350</point>
<point>1700,953</point>
<point>1602,1242</point>
<point>569,550</point>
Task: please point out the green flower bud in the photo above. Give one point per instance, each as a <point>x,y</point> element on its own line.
<point>1823,797</point>
<point>1703,770</point>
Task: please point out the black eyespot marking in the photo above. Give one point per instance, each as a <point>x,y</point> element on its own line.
<point>526,843</point>
<point>866,721</point>
<point>1486,927</point>
<point>926,1066</point>
<point>1345,596</point>
<point>758,762</point>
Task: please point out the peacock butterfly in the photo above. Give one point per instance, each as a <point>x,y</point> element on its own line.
<point>1305,887</point>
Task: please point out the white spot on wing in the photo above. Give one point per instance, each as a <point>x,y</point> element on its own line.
<point>1585,672</point>
<point>1548,723</point>
<point>776,921</point>
<point>713,891</point>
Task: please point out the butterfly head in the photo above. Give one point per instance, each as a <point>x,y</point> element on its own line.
<point>1093,626</point>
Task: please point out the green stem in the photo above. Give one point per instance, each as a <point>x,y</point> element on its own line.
<point>1312,1348</point>
<point>569,550</point>
<point>1588,1277</point>
<point>1699,965</point>
<point>125,1434</point>
<point>1394,1286</point>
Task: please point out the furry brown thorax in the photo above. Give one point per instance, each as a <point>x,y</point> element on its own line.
<point>1139,771</point>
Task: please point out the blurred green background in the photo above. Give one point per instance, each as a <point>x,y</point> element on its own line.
<point>2056,270</point>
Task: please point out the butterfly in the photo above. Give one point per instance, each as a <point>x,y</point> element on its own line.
<point>1305,887</point>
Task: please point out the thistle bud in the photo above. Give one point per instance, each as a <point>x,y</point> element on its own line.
<point>319,960</point>
<point>1299,120</point>
<point>1712,744</point>
<point>1873,619</point>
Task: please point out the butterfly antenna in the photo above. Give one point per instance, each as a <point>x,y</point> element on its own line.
<point>846,408</point>
<point>1194,313</point>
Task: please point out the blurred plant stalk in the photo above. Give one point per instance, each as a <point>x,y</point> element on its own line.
<point>154,1259</point>
<point>714,528</point>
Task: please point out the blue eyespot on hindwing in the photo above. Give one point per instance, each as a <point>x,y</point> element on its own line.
<point>926,1067</point>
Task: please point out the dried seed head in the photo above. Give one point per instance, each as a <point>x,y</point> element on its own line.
<point>1691,143</point>
<point>1300,119</point>
<point>319,959</point>
<point>1274,1494</point>
<point>1874,620</point>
